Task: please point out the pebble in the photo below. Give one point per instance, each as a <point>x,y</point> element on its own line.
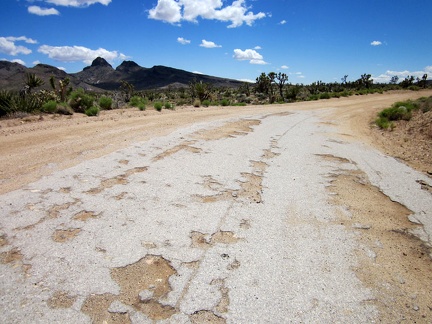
<point>361,226</point>
<point>146,295</point>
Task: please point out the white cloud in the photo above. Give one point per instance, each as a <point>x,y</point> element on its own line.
<point>8,46</point>
<point>197,72</point>
<point>21,38</point>
<point>183,41</point>
<point>376,43</point>
<point>79,53</point>
<point>284,67</point>
<point>208,44</point>
<point>166,10</point>
<point>249,55</point>
<point>36,62</point>
<point>61,68</point>
<point>386,77</point>
<point>14,61</point>
<point>283,22</point>
<point>36,10</point>
<point>257,47</point>
<point>174,11</point>
<point>78,3</point>
<point>247,80</point>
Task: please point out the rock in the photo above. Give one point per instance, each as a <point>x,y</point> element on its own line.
<point>361,226</point>
<point>146,295</point>
<point>118,307</point>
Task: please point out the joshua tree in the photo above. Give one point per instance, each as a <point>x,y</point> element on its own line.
<point>200,90</point>
<point>394,79</point>
<point>62,91</point>
<point>344,79</point>
<point>282,79</point>
<point>127,90</point>
<point>365,80</point>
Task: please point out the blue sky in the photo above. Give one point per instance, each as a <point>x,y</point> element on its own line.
<point>309,40</point>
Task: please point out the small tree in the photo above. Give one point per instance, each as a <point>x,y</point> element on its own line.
<point>63,90</point>
<point>394,79</point>
<point>365,81</point>
<point>127,89</point>
<point>200,90</point>
<point>282,79</point>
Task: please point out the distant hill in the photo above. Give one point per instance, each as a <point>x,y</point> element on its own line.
<point>102,76</point>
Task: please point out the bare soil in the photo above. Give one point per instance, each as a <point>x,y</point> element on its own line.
<point>36,146</point>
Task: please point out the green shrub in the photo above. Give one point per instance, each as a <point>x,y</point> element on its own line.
<point>384,123</point>
<point>80,101</point>
<point>105,103</point>
<point>158,105</point>
<point>197,103</point>
<point>206,103</point>
<point>64,109</point>
<point>225,102</point>
<point>49,107</point>
<point>168,105</point>
<point>313,97</point>
<point>396,113</point>
<point>139,102</point>
<point>92,111</point>
<point>324,95</point>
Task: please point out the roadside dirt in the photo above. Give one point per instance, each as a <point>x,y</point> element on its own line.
<point>36,146</point>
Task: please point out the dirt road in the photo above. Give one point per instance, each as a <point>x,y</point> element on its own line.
<point>264,214</point>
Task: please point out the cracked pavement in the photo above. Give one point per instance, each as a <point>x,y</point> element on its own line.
<point>234,221</point>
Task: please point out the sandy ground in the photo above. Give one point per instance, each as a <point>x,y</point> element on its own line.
<point>36,146</point>
<point>374,198</point>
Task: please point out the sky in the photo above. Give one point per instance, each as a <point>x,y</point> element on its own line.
<point>309,40</point>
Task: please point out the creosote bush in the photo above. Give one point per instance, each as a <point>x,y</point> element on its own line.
<point>139,102</point>
<point>197,103</point>
<point>50,107</point>
<point>105,103</point>
<point>158,106</point>
<point>80,101</point>
<point>92,111</point>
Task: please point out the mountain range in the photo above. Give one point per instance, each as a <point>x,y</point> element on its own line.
<point>101,76</point>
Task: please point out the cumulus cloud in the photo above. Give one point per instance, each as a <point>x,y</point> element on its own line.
<point>386,77</point>
<point>376,43</point>
<point>257,47</point>
<point>283,22</point>
<point>8,46</point>
<point>174,11</point>
<point>208,44</point>
<point>36,10</point>
<point>183,41</point>
<point>77,3</point>
<point>284,67</point>
<point>249,55</point>
<point>14,61</point>
<point>79,53</point>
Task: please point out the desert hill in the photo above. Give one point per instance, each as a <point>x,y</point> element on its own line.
<point>100,75</point>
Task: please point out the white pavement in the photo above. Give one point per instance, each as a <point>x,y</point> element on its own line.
<point>187,227</point>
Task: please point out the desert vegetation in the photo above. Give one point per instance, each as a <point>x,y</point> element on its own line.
<point>403,111</point>
<point>270,88</point>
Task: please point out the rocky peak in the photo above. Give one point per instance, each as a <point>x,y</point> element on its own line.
<point>127,66</point>
<point>100,61</point>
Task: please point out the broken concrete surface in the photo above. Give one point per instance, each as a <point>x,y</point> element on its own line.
<point>236,223</point>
